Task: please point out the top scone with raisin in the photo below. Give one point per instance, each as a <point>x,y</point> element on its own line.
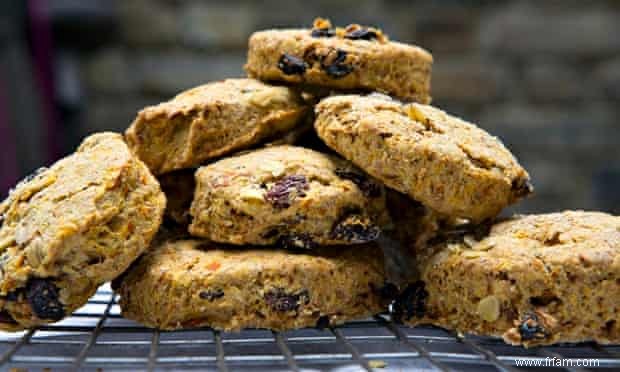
<point>356,58</point>
<point>296,197</point>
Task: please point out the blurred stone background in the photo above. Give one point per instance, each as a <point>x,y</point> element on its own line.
<point>544,76</point>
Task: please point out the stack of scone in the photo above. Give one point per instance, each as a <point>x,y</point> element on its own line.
<point>278,186</point>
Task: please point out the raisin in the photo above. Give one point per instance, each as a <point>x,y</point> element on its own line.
<point>291,65</point>
<point>281,301</point>
<point>337,68</point>
<point>42,295</point>
<point>411,302</point>
<point>369,188</point>
<point>6,318</point>
<point>355,229</point>
<point>322,32</point>
<point>281,193</point>
<point>530,327</point>
<point>361,34</point>
<point>296,241</point>
<point>211,294</point>
<point>322,322</point>
<point>1,220</point>
<point>522,187</point>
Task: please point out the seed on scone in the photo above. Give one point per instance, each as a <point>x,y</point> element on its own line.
<point>296,241</point>
<point>368,187</point>
<point>322,322</point>
<point>530,327</point>
<point>281,301</point>
<point>410,303</point>
<point>291,65</point>
<point>211,294</point>
<point>334,65</point>
<point>356,229</point>
<point>283,192</point>
<point>42,295</point>
<point>488,308</point>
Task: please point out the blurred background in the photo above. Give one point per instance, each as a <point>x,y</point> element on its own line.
<point>544,76</point>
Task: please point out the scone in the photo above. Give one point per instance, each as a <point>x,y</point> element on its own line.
<point>353,58</point>
<point>296,197</point>
<point>178,186</point>
<point>194,283</point>
<point>67,229</point>
<point>447,164</point>
<point>533,280</point>
<point>212,120</point>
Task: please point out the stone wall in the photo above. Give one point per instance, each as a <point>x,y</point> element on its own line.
<point>544,76</point>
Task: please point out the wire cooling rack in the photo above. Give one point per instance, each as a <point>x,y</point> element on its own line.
<point>97,338</point>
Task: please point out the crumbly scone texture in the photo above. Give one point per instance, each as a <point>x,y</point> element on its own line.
<point>533,280</point>
<point>69,228</point>
<point>289,195</point>
<point>447,164</point>
<point>212,120</point>
<point>195,283</point>
<point>359,58</point>
<point>178,186</point>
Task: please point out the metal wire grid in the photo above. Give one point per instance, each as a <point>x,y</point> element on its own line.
<point>97,338</point>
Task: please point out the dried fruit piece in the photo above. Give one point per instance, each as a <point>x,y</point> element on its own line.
<point>296,241</point>
<point>368,187</point>
<point>361,33</point>
<point>356,229</point>
<point>335,66</point>
<point>411,302</point>
<point>281,301</point>
<point>211,294</point>
<point>322,32</point>
<point>291,65</point>
<point>42,295</point>
<point>530,327</point>
<point>283,192</point>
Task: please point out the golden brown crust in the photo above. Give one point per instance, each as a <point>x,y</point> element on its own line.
<point>287,194</point>
<point>193,283</point>
<point>212,120</point>
<point>71,228</point>
<point>366,63</point>
<point>447,164</point>
<point>534,280</point>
